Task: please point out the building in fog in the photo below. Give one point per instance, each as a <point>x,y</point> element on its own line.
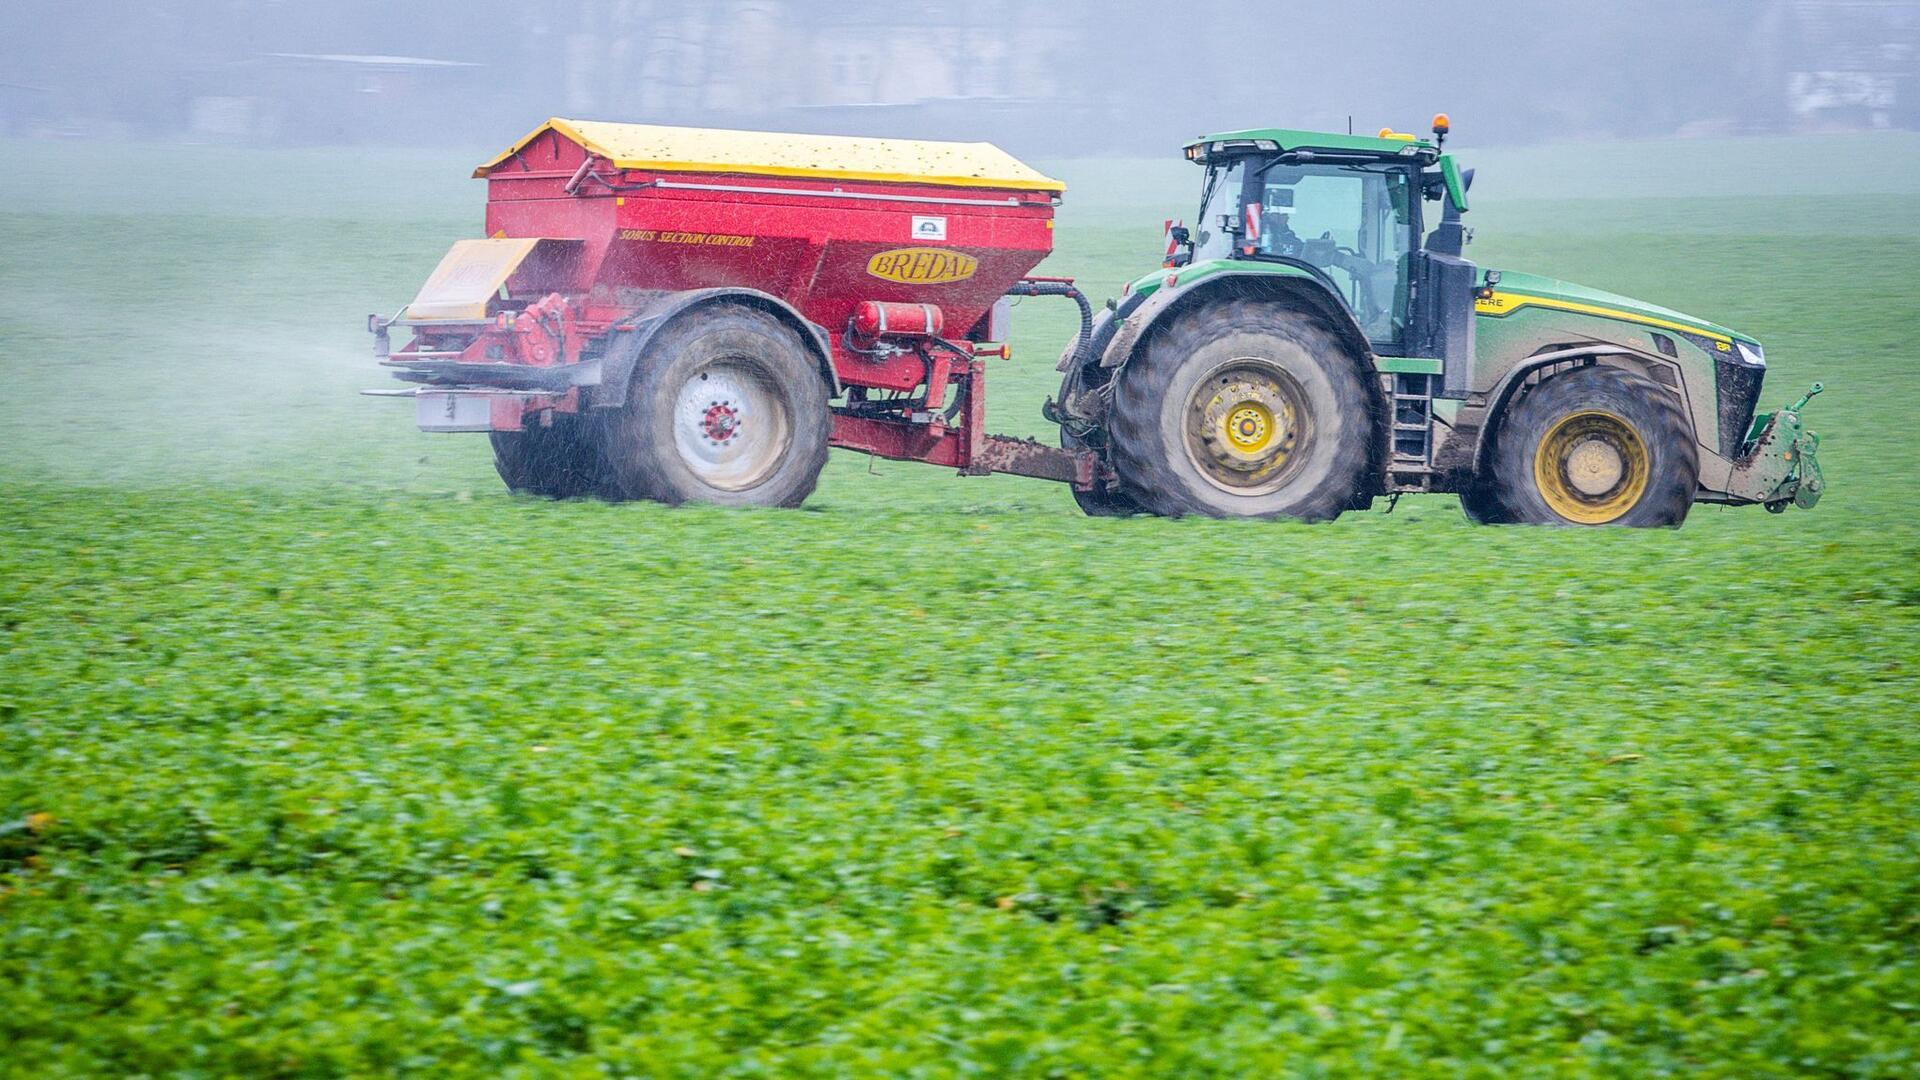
<point>331,98</point>
<point>1078,74</point>
<point>1850,64</point>
<point>858,64</point>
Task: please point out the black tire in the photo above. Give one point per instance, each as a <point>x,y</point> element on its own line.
<point>1325,466</point>
<point>765,387</point>
<point>557,462</point>
<point>1636,429</point>
<point>1101,502</point>
<point>1482,505</point>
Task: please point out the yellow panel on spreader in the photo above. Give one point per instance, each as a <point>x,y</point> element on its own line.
<point>469,275</point>
<point>772,153</point>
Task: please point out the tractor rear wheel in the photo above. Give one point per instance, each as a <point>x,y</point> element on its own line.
<point>726,407</point>
<point>557,462</point>
<point>1244,408</point>
<point>1482,505</point>
<point>1596,446</point>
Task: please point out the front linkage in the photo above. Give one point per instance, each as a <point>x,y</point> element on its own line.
<point>1782,468</point>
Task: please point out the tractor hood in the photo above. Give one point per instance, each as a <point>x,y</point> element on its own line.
<point>1518,290</point>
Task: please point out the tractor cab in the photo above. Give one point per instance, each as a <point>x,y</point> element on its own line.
<point>1346,210</point>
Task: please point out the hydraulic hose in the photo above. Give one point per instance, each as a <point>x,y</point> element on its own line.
<point>1063,287</point>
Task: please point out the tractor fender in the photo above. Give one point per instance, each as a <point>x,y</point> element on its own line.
<point>1167,304</point>
<point>628,340</point>
<point>1510,385</point>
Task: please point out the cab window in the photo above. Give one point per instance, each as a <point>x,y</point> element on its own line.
<point>1356,224</point>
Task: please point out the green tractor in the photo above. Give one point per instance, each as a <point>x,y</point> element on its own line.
<point>1309,345</point>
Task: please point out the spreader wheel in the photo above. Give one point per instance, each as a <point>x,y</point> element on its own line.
<point>1596,446</point>
<point>725,407</point>
<point>557,462</point>
<point>1243,409</point>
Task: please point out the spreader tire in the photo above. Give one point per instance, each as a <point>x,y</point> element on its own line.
<point>1596,446</point>
<point>726,407</point>
<point>1244,408</point>
<point>557,462</point>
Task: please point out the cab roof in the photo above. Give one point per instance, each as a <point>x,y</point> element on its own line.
<point>1271,139</point>
<point>770,153</point>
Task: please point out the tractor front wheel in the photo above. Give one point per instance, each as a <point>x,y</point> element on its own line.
<point>1596,446</point>
<point>1244,408</point>
<point>726,407</point>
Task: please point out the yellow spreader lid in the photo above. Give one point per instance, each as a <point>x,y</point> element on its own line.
<point>772,153</point>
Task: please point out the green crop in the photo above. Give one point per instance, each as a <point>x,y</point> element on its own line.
<point>319,754</point>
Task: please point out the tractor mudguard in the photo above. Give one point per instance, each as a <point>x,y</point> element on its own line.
<point>628,341</point>
<point>1503,392</point>
<point>1169,301</point>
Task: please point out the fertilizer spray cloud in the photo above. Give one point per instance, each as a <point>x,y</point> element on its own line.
<point>237,281</point>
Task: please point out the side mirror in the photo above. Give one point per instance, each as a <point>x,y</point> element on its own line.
<point>1179,247</point>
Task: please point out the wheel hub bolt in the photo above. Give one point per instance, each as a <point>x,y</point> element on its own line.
<point>721,422</point>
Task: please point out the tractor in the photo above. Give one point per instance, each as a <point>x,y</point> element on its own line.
<point>684,314</point>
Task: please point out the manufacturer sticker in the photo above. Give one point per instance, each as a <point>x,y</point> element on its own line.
<point>922,266</point>
<point>929,228</point>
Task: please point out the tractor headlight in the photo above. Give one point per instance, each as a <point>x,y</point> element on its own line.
<point>1753,355</point>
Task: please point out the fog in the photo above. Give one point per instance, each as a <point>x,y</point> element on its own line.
<point>1071,78</point>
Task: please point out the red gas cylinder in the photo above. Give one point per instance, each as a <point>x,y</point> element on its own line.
<point>877,319</point>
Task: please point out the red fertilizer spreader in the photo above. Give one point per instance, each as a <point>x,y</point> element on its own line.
<point>684,314</point>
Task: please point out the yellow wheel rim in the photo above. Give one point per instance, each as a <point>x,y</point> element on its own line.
<point>1249,427</point>
<point>1245,423</point>
<point>1591,467</point>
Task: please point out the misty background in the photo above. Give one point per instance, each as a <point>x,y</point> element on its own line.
<point>201,202</point>
<point>1072,78</point>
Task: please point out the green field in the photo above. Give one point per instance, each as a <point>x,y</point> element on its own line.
<point>319,754</point>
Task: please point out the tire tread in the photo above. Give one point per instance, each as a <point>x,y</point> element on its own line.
<point>1140,459</point>
<point>1643,402</point>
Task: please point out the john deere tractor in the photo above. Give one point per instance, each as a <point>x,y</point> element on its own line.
<point>1315,341</point>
